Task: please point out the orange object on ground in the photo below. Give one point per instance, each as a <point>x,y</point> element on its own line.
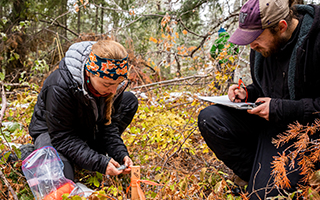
<point>57,194</point>
<point>137,192</point>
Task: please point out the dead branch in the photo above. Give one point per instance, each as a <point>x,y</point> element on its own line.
<point>170,81</point>
<point>54,32</point>
<point>178,84</point>
<point>56,23</point>
<point>4,103</point>
<point>165,162</point>
<point>188,30</point>
<point>16,84</point>
<point>204,37</point>
<point>15,197</point>
<point>2,112</point>
<point>178,65</point>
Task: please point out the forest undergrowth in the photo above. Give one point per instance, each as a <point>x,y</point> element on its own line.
<point>164,140</point>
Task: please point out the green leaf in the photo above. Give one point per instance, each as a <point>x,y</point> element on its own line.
<point>14,126</point>
<point>99,175</point>
<point>4,20</point>
<point>4,36</point>
<point>17,151</point>
<point>2,76</point>
<point>16,56</point>
<point>172,187</point>
<point>96,182</point>
<point>6,156</point>
<point>76,198</point>
<point>65,196</point>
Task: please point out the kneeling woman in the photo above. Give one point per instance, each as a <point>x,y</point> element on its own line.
<point>82,108</point>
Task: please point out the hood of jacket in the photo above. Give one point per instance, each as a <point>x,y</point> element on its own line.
<point>75,59</point>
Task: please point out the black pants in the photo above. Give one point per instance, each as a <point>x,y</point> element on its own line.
<point>243,142</point>
<point>128,108</point>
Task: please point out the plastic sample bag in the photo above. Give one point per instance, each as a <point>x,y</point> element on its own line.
<point>43,169</point>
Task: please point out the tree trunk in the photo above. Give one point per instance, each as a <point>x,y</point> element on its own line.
<point>65,18</point>
<point>79,16</point>
<point>18,13</point>
<point>96,21</point>
<point>101,20</point>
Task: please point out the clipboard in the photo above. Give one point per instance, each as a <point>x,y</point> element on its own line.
<point>225,101</point>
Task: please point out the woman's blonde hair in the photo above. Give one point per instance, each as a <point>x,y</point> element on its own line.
<point>112,50</point>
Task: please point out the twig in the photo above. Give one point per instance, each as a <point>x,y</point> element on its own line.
<point>184,26</point>
<point>178,84</point>
<point>56,23</point>
<point>139,77</point>
<point>16,84</point>
<point>171,81</point>
<point>2,112</point>
<point>179,104</point>
<point>46,29</point>
<point>165,162</point>
<point>15,197</point>
<point>4,103</point>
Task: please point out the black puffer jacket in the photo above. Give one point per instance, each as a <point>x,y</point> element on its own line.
<point>302,79</point>
<point>73,119</point>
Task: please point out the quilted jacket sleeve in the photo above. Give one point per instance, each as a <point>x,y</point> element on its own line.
<point>61,120</point>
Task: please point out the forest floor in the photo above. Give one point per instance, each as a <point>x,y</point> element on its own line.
<point>163,139</point>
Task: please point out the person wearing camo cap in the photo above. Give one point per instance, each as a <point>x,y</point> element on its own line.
<point>284,62</point>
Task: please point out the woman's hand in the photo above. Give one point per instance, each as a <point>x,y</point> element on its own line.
<point>127,162</point>
<point>235,94</point>
<point>263,109</point>
<point>112,168</point>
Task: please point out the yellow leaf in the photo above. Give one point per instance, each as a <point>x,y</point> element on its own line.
<point>163,36</point>
<point>185,32</point>
<point>156,68</point>
<point>231,59</point>
<point>206,150</point>
<point>152,63</point>
<point>202,173</point>
<point>177,35</point>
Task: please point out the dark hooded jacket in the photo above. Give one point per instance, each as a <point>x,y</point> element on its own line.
<point>74,119</point>
<point>292,76</point>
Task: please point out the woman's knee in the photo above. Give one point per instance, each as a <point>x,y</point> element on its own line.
<point>130,101</point>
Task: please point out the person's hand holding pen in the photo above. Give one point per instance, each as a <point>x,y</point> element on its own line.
<point>236,93</point>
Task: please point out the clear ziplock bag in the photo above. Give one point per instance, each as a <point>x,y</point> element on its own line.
<point>43,170</point>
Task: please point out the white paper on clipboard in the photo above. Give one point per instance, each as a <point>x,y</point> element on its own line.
<point>225,101</point>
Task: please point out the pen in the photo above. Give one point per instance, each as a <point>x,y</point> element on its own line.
<point>259,103</point>
<point>236,96</point>
<point>240,83</point>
